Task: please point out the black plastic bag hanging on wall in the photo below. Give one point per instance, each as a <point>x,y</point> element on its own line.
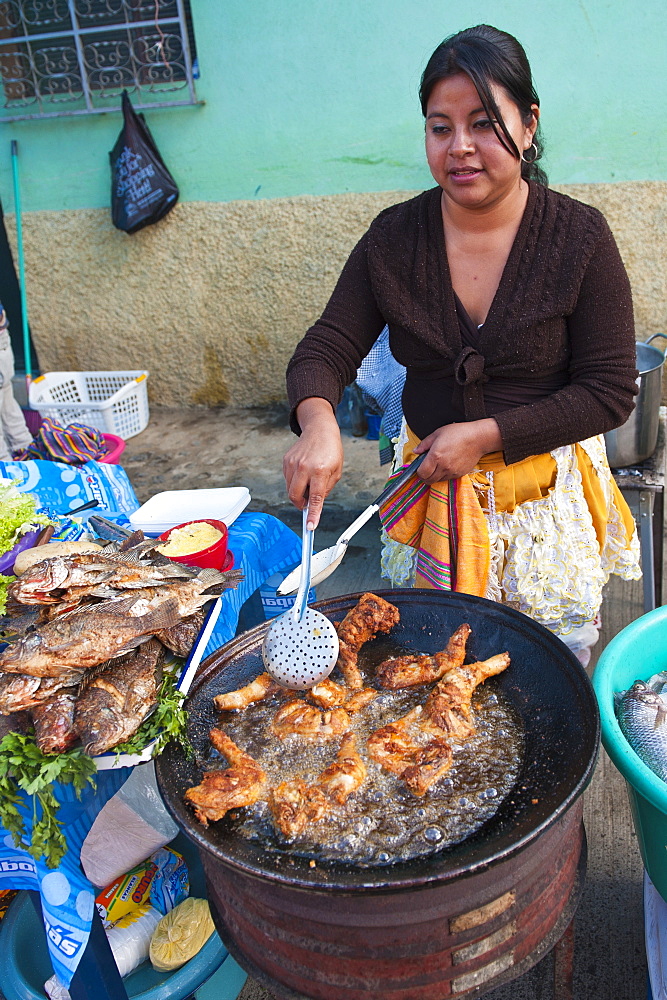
<point>142,189</point>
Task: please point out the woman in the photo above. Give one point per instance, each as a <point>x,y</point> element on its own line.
<point>510,308</point>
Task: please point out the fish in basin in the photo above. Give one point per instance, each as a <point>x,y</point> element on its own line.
<point>642,716</point>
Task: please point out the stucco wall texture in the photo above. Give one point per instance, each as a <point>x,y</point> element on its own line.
<point>212,300</point>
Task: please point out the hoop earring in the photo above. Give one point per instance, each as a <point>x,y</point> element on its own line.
<point>533,157</point>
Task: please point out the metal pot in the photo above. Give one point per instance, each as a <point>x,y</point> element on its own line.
<point>636,439</point>
<point>481,911</point>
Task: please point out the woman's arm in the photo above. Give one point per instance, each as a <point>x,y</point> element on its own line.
<point>313,465</point>
<point>325,362</point>
<point>600,395</point>
<point>327,358</point>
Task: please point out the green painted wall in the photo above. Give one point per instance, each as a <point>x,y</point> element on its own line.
<point>320,97</point>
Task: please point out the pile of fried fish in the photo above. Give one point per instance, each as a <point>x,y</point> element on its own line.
<point>87,636</point>
<point>415,747</point>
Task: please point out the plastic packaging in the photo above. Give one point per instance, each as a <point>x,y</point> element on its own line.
<point>130,941</point>
<point>130,937</point>
<point>181,934</point>
<point>161,881</point>
<point>128,829</point>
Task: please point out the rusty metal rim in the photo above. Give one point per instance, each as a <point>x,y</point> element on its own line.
<point>564,920</point>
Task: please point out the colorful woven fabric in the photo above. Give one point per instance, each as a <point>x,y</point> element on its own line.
<point>554,527</point>
<point>439,521</point>
<point>75,444</point>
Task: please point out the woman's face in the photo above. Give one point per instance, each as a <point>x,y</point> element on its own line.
<point>464,154</point>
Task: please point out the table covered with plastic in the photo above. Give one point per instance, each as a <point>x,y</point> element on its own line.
<point>262,546</point>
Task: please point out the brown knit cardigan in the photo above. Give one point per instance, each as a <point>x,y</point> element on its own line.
<point>563,305</point>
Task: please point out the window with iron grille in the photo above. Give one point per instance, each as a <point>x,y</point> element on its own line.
<point>75,57</point>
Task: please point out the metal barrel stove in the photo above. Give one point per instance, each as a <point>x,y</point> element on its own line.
<point>456,923</point>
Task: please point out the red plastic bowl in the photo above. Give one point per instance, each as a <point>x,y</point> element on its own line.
<point>214,557</point>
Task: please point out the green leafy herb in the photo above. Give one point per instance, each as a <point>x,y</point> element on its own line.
<point>168,722</point>
<point>24,767</point>
<point>4,586</point>
<point>18,514</point>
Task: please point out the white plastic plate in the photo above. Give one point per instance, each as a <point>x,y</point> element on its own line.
<point>165,510</point>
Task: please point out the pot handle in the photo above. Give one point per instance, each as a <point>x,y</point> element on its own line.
<point>653,336</point>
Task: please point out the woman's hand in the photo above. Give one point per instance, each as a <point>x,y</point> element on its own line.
<point>313,465</point>
<point>455,450</point>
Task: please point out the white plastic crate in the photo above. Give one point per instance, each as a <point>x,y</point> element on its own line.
<point>113,402</point>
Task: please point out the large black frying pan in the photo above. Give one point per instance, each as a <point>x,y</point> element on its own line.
<point>544,681</point>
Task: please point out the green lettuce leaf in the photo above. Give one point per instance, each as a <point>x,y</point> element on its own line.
<point>18,514</point>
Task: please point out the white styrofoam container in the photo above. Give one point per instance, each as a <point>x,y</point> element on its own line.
<point>165,510</point>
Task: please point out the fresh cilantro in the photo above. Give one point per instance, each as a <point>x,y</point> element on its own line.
<point>168,722</point>
<point>24,767</point>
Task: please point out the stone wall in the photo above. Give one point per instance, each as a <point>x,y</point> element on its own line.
<point>213,299</point>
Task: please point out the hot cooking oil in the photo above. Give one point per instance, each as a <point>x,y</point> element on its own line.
<point>383,822</point>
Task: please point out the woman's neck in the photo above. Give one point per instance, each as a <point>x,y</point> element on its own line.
<point>502,214</point>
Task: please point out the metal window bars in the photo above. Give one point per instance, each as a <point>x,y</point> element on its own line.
<point>75,57</point>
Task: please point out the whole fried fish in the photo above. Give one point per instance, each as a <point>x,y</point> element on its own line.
<point>180,638</point>
<point>68,576</point>
<point>642,716</point>
<point>190,595</point>
<point>20,692</point>
<point>87,638</point>
<point>111,707</point>
<point>54,722</point>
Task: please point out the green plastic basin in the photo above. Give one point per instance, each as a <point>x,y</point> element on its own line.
<point>637,652</point>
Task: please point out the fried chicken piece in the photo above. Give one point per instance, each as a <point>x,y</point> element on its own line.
<point>448,705</point>
<point>433,761</point>
<point>234,701</point>
<point>295,805</point>
<point>298,717</point>
<point>418,764</point>
<point>328,694</point>
<point>370,615</point>
<point>392,747</point>
<point>240,784</point>
<point>408,671</point>
<point>359,699</point>
<point>345,774</point>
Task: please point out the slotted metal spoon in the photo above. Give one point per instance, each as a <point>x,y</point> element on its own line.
<point>328,560</point>
<point>301,646</point>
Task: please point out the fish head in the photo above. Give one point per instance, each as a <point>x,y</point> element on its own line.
<point>44,576</point>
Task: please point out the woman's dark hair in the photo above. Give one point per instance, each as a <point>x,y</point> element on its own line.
<point>489,56</point>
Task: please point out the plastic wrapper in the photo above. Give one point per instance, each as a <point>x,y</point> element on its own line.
<point>181,934</point>
<point>128,829</point>
<point>130,942</point>
<point>130,937</point>
<point>161,882</point>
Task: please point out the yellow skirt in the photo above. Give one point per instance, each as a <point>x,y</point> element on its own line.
<point>542,535</point>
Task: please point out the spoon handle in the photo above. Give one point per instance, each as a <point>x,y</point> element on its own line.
<point>301,600</point>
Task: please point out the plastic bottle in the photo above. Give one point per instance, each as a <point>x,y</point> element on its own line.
<point>274,605</point>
